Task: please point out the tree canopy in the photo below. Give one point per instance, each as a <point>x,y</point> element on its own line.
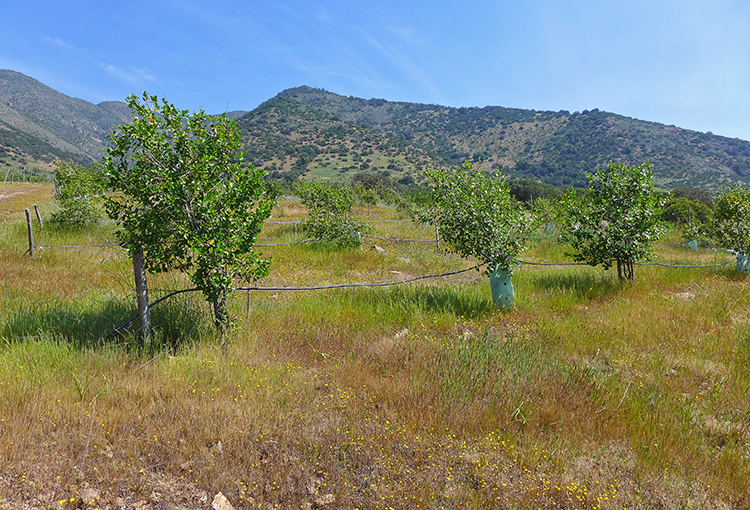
<point>183,198</point>
<point>80,190</point>
<point>730,221</point>
<point>329,214</point>
<point>618,219</point>
<point>478,216</point>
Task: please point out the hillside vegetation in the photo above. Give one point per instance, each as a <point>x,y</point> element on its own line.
<point>307,133</point>
<point>555,147</point>
<point>291,139</point>
<point>591,394</point>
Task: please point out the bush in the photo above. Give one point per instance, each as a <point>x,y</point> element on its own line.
<point>80,191</point>
<point>617,221</point>
<point>329,214</point>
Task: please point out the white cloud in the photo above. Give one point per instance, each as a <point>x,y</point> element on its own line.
<point>61,44</point>
<point>132,75</point>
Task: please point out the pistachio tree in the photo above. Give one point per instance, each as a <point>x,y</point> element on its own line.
<point>479,218</point>
<point>617,220</point>
<point>729,225</point>
<point>184,201</point>
<point>80,191</point>
<point>367,196</point>
<point>329,214</point>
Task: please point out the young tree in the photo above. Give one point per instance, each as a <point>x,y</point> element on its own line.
<point>684,212</point>
<point>80,191</point>
<point>329,214</point>
<point>478,217</point>
<point>617,221</point>
<point>184,201</point>
<point>368,196</point>
<point>730,223</point>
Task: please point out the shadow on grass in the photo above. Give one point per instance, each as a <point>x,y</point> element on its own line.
<point>582,284</point>
<point>730,273</point>
<point>459,301</point>
<point>91,324</point>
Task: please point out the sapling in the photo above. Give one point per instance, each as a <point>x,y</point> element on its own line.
<point>479,218</point>
<point>184,200</point>
<point>329,214</point>
<point>618,219</point>
<point>80,191</point>
<point>730,223</point>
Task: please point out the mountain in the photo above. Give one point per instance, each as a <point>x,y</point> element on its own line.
<point>311,133</point>
<point>554,147</point>
<point>39,124</point>
<point>291,139</point>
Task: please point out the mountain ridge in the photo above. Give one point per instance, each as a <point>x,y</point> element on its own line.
<point>555,147</point>
<point>310,133</point>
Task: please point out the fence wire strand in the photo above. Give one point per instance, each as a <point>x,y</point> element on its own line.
<point>74,245</point>
<point>402,240</point>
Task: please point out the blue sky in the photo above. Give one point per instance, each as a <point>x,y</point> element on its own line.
<point>683,62</point>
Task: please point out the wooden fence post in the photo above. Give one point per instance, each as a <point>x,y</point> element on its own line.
<point>141,290</point>
<point>38,216</point>
<point>31,232</point>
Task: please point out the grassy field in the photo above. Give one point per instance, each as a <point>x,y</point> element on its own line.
<point>590,394</point>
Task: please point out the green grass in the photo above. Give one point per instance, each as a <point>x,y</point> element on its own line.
<point>591,394</point>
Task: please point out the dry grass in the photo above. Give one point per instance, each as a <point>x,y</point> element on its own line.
<point>591,394</point>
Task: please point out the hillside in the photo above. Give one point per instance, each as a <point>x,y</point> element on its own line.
<point>293,139</point>
<point>39,124</point>
<point>310,133</point>
<point>555,147</point>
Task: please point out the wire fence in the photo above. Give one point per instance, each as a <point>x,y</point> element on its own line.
<point>680,266</point>
<point>437,240</point>
<point>307,288</point>
<point>661,264</point>
<point>402,240</point>
<point>74,245</point>
<point>391,282</point>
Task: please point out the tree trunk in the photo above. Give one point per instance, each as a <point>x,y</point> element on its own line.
<point>141,291</point>
<point>626,270</point>
<point>630,270</point>
<point>221,315</point>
